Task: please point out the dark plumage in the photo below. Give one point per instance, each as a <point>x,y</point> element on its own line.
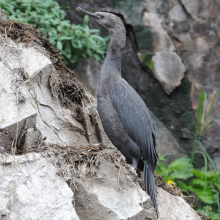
<point>124,115</point>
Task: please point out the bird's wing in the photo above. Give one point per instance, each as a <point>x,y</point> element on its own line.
<point>135,118</point>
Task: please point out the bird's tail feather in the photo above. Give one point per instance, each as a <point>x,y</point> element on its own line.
<point>149,184</point>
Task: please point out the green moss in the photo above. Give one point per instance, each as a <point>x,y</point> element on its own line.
<point>181,97</point>
<point>130,7</point>
<point>143,37</point>
<point>187,120</point>
<point>147,60</point>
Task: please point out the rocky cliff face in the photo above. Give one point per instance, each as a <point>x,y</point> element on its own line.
<point>172,53</point>
<point>56,162</point>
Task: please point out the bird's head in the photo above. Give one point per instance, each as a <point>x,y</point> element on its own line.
<point>107,20</point>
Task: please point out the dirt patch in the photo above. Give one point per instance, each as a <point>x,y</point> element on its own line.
<point>64,85</point>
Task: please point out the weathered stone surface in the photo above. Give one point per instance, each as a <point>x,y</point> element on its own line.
<point>194,8</point>
<point>168,69</point>
<point>166,143</point>
<point>56,124</point>
<point>111,194</point>
<point>87,71</point>
<point>32,105</point>
<point>177,12</point>
<point>32,139</point>
<point>8,98</point>
<point>30,189</point>
<point>166,206</point>
<point>12,94</point>
<point>161,40</point>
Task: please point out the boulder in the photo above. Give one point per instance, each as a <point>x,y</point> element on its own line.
<point>168,69</point>
<point>184,213</point>
<point>87,72</point>
<point>31,189</point>
<point>112,195</point>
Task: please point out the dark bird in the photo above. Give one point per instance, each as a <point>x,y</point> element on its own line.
<point>124,115</point>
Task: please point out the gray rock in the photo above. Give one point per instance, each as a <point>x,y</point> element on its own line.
<point>87,72</point>
<point>160,38</point>
<point>177,12</point>
<point>168,69</point>
<point>36,108</point>
<point>166,143</point>
<point>2,150</point>
<point>185,213</point>
<point>8,134</point>
<point>110,195</point>
<point>30,189</point>
<point>131,11</point>
<point>32,139</point>
<point>193,7</point>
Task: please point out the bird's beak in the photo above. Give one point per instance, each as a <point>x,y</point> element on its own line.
<point>88,13</point>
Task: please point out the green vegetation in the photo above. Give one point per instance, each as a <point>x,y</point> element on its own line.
<point>147,60</point>
<point>73,41</point>
<point>204,183</point>
<point>202,124</point>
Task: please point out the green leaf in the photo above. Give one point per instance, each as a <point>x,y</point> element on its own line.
<point>68,50</point>
<point>179,163</point>
<point>162,170</point>
<point>183,186</point>
<point>65,38</point>
<point>59,45</point>
<point>85,20</point>
<point>181,174</point>
<point>162,157</point>
<point>206,194</point>
<point>201,182</point>
<point>79,44</point>
<point>97,57</point>
<point>98,38</point>
<point>208,157</point>
<point>94,31</point>
<point>73,42</point>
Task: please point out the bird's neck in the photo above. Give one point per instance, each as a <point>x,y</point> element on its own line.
<point>112,63</point>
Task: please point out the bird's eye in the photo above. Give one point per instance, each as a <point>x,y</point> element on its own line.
<point>102,16</point>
